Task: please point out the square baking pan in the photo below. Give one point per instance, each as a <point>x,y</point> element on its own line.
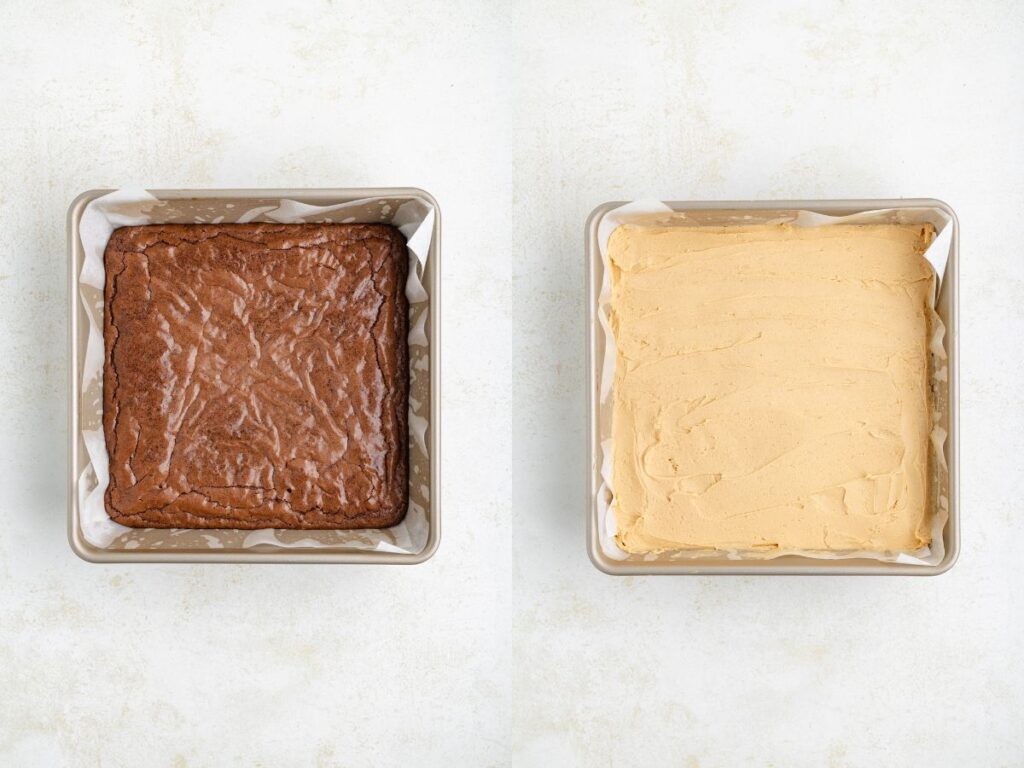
<point>225,545</point>
<point>723,213</point>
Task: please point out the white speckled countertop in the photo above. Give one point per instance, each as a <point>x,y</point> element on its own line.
<point>509,648</point>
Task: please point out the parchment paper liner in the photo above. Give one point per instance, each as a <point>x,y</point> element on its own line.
<point>656,213</point>
<point>126,207</point>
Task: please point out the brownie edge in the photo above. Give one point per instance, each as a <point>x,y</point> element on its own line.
<point>256,376</point>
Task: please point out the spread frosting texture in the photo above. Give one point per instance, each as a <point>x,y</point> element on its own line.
<point>771,387</point>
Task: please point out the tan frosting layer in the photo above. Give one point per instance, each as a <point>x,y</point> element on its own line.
<point>771,387</point>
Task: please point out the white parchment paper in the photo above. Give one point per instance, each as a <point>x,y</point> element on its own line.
<point>656,213</point>
<point>128,207</point>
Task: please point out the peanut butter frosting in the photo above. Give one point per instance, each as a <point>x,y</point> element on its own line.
<point>771,387</point>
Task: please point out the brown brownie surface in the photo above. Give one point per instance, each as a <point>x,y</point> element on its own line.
<point>256,376</point>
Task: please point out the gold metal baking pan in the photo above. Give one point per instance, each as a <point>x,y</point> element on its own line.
<point>170,546</point>
<point>722,213</point>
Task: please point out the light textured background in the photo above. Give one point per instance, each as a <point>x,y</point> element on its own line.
<point>509,648</point>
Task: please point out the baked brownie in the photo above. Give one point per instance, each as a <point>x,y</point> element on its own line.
<point>256,376</point>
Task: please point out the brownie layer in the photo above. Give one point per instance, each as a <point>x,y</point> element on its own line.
<point>256,376</point>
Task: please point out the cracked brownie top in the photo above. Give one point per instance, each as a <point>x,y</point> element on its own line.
<point>256,376</point>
